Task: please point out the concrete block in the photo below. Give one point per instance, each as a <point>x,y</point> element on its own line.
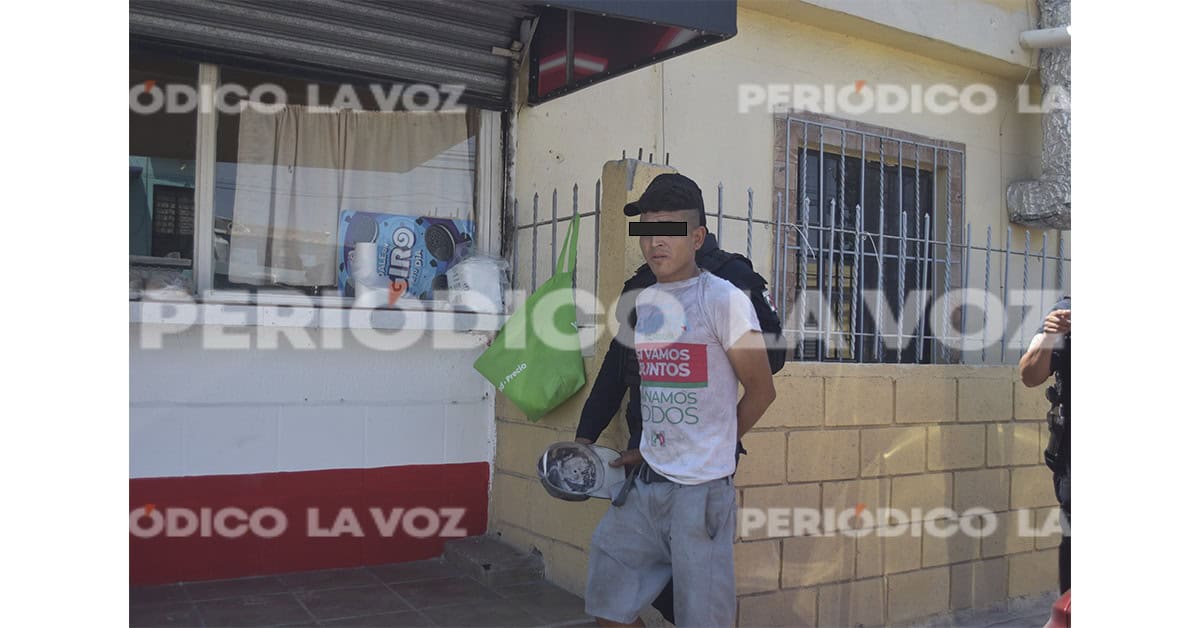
<point>518,446</point>
<point>984,488</point>
<point>756,566</point>
<point>570,522</point>
<point>822,455</point>
<point>838,499</point>
<point>766,462</point>
<point>1012,444</point>
<point>868,556</point>
<point>799,402</point>
<point>938,549</point>
<point>1032,487</point>
<point>924,492</point>
<point>1030,404</point>
<point>892,450</point>
<point>1049,527</point>
<point>918,594</point>
<point>1007,537</point>
<point>791,608</point>
<point>985,400</point>
<point>566,567</point>
<point>510,499</point>
<point>902,549</point>
<point>1033,572</point>
<point>810,560</point>
<point>978,584</point>
<point>926,399</point>
<point>777,501</point>
<point>956,446</point>
<point>858,401</point>
<point>852,603</point>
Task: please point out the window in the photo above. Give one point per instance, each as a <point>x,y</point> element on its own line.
<point>162,179</point>
<point>259,187</point>
<point>872,205</point>
<point>298,185</point>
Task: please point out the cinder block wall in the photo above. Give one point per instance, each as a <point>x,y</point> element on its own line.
<point>904,437</point>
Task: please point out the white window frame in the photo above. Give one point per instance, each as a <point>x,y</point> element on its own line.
<point>489,188</point>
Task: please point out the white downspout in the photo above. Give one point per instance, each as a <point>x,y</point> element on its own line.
<point>1046,38</point>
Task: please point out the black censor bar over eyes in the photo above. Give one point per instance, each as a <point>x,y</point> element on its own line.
<point>665,228</point>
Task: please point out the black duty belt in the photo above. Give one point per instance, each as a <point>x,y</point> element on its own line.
<point>642,472</point>
<point>650,476</point>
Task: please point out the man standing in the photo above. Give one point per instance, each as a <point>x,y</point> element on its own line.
<point>619,371</point>
<point>697,338</point>
<point>1050,354</point>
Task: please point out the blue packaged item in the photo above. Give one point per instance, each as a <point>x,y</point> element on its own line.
<point>413,252</point>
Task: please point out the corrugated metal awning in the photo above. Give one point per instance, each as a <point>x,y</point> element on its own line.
<point>438,42</point>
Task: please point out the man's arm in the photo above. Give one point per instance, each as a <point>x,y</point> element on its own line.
<point>1035,364</point>
<point>604,400</point>
<point>748,357</point>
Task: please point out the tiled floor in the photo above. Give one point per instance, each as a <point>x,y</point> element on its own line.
<point>425,593</point>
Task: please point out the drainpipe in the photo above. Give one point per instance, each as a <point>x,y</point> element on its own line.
<point>517,54</point>
<point>1046,202</point>
<point>1046,38</point>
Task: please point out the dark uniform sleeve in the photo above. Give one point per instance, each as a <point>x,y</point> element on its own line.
<point>605,397</point>
<point>608,390</point>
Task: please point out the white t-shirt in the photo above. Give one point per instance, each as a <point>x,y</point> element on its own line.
<point>689,391</point>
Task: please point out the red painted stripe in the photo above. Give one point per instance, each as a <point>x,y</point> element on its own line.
<point>162,558</point>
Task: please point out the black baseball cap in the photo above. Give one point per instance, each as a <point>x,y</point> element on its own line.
<point>669,192</point>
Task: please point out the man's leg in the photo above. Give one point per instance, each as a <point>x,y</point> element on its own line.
<point>1062,490</point>
<point>702,530</point>
<point>1064,565</point>
<point>628,561</point>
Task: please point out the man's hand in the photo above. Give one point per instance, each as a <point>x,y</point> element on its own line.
<point>583,441</point>
<point>1058,322</point>
<point>630,456</point>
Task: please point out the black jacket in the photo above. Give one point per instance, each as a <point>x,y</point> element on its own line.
<point>619,370</point>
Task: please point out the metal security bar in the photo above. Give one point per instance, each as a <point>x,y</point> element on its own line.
<point>874,262</point>
<point>527,278</point>
<point>912,287</point>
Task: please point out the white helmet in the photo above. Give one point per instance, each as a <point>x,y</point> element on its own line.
<point>575,472</point>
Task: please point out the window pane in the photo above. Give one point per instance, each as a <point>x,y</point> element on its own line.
<point>162,174</point>
<point>299,183</point>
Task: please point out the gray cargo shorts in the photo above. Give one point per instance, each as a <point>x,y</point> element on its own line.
<point>666,530</point>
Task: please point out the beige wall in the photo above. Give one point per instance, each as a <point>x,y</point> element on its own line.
<point>688,107</point>
<point>981,34</point>
<point>885,436</point>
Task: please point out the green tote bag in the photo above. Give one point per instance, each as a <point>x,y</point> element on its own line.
<point>535,359</point>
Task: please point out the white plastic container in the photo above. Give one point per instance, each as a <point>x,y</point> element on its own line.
<point>479,283</point>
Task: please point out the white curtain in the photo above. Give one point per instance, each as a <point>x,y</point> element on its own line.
<point>299,167</point>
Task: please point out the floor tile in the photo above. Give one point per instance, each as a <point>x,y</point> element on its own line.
<point>430,593</point>
<point>358,601</point>
<point>498,613</point>
<point>525,588</point>
<point>238,587</point>
<point>417,570</point>
<point>551,606</point>
<point>165,614</point>
<point>328,579</point>
<point>257,610</point>
<point>158,594</point>
<point>410,619</point>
